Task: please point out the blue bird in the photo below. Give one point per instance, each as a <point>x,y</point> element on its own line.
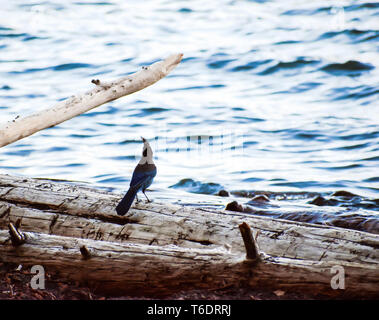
<point>142,178</point>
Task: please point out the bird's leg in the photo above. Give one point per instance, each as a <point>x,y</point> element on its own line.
<point>137,200</point>
<point>148,200</point>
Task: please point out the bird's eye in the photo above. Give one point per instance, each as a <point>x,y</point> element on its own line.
<point>144,153</point>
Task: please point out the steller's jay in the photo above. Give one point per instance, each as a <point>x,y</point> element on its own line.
<point>142,178</point>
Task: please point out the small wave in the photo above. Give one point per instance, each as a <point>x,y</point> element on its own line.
<point>375,158</point>
<point>28,96</point>
<point>219,63</point>
<point>193,186</point>
<point>252,179</point>
<point>111,180</point>
<point>187,59</point>
<point>213,86</point>
<point>297,12</point>
<point>300,134</point>
<point>349,68</point>
<point>296,64</point>
<point>367,5</point>
<point>354,34</point>
<point>109,110</point>
<point>149,111</point>
<point>129,141</point>
<point>308,135</point>
<point>250,65</point>
<point>76,135</point>
<point>303,87</point>
<point>100,3</point>
<point>70,66</point>
<point>286,42</point>
<point>248,119</point>
<point>346,167</point>
<point>359,92</point>
<point>13,35</point>
<point>60,67</point>
<point>12,167</point>
<point>219,60</point>
<point>23,153</point>
<point>330,9</point>
<point>121,158</point>
<point>361,136</point>
<point>155,110</point>
<point>72,165</point>
<point>30,38</point>
<point>185,10</point>
<point>313,184</point>
<point>352,147</point>
<point>249,143</point>
<point>57,149</point>
<point>105,124</point>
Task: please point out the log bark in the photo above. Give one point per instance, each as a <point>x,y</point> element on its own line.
<point>104,92</point>
<point>159,249</point>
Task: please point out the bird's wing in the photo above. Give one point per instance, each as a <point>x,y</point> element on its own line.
<point>139,178</point>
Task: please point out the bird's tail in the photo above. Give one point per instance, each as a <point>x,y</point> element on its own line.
<point>126,202</point>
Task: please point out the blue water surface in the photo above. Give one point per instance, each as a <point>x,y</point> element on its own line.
<point>279,96</point>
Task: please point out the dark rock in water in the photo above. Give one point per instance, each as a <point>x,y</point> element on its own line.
<point>260,198</point>
<point>223,193</point>
<point>334,211</point>
<point>344,194</point>
<point>346,199</point>
<point>234,206</point>
<point>242,194</point>
<point>318,201</point>
<point>321,201</point>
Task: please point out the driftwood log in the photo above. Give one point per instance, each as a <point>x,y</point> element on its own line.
<point>104,92</point>
<point>158,249</point>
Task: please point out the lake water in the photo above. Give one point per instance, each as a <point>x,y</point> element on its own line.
<point>272,96</point>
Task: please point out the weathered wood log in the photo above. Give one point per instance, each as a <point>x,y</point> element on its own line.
<point>160,248</point>
<point>162,270</point>
<point>104,92</point>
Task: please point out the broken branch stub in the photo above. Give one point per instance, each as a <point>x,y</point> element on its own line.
<point>248,240</point>
<point>85,252</point>
<point>103,92</point>
<point>17,237</point>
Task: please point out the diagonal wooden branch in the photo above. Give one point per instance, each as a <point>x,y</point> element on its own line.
<point>76,105</point>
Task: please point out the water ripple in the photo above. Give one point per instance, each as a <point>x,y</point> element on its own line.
<point>355,35</point>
